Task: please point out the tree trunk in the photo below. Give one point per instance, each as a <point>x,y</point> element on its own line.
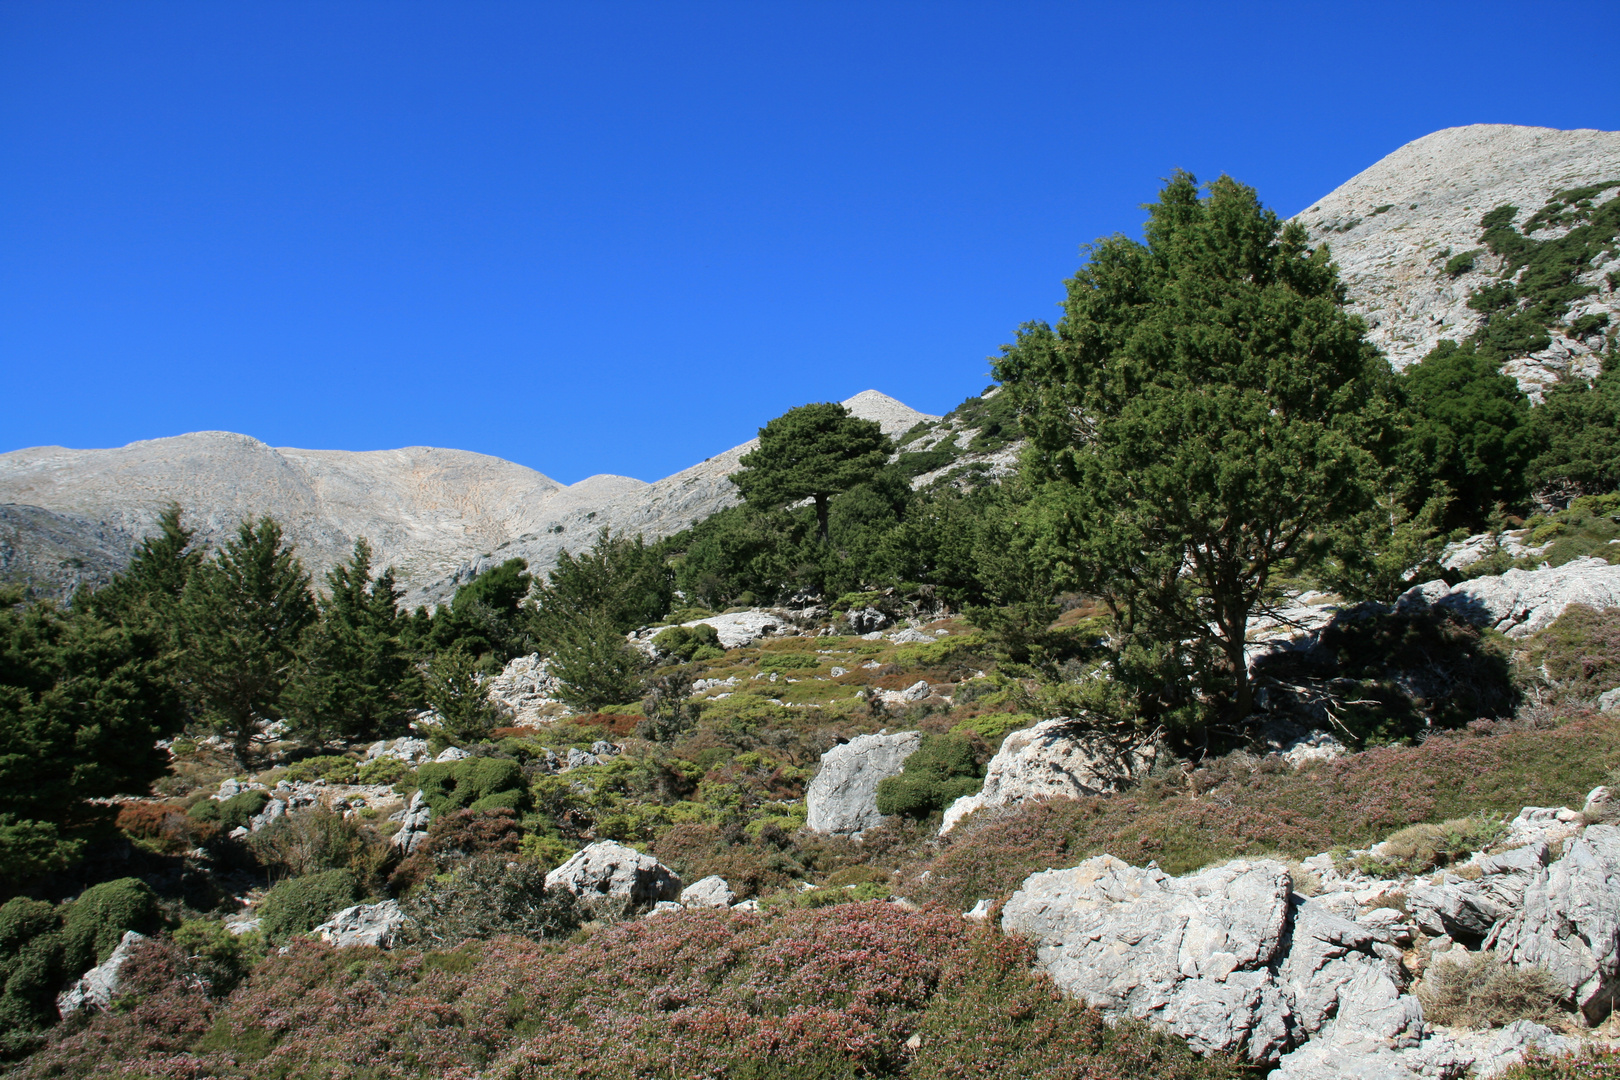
<point>821,517</point>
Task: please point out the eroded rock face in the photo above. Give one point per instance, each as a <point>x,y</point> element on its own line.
<point>413,828</point>
<point>612,878</point>
<point>97,987</point>
<point>1465,909</point>
<point>842,798</point>
<point>1055,759</point>
<point>1570,922</point>
<point>1228,958</point>
<point>378,925</point>
<point>1521,602</point>
<point>523,688</point>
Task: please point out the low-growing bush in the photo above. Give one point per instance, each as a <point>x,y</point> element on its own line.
<point>31,972</point>
<point>333,768</point>
<point>992,728</point>
<point>471,784</point>
<point>1591,1063</point>
<point>233,812</point>
<point>689,643</point>
<point>310,841</point>
<point>942,770</point>
<point>462,834</point>
<point>162,828</point>
<point>96,921</point>
<point>1483,992</point>
<point>384,770</point>
<point>490,895</point>
<point>222,958</point>
<point>789,661</point>
<point>298,905</point>
<point>1417,849</point>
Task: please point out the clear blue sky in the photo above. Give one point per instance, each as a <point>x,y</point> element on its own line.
<point>618,237</point>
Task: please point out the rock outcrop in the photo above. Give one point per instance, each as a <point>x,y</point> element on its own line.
<point>1569,923</point>
<point>1521,602</point>
<point>842,799</point>
<point>1059,758</point>
<point>97,988</point>
<point>710,892</point>
<point>613,879</point>
<point>380,926</point>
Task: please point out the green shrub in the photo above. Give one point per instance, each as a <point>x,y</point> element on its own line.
<point>299,905</point>
<point>30,973</point>
<point>223,958</point>
<point>686,642</point>
<point>98,918</point>
<point>332,768</point>
<point>237,810</point>
<point>383,770</point>
<point>1483,992</point>
<point>942,770</point>
<point>789,661</point>
<point>489,895</point>
<point>594,665</point>
<point>471,784</point>
<point>1460,264</point>
<point>314,840</point>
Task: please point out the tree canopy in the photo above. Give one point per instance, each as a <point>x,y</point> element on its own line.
<point>815,452</point>
<point>1204,406</point>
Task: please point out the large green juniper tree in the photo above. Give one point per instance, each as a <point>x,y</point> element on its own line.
<point>812,452</point>
<point>244,617</point>
<point>1200,412</point>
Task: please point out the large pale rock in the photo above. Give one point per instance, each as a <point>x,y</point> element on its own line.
<point>97,987</point>
<point>1521,602</point>
<point>413,827</point>
<point>1223,957</point>
<point>1059,758</point>
<point>1192,955</point>
<point>710,892</point>
<point>1570,922</point>
<point>378,925</point>
<point>615,879</point>
<point>842,798</point>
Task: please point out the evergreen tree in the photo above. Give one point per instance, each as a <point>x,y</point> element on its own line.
<point>1578,435</point>
<point>815,452</point>
<point>620,579</point>
<point>1201,411</point>
<point>82,705</point>
<point>153,583</point>
<point>1470,433</point>
<point>244,615</point>
<point>353,676</point>
<point>453,686</point>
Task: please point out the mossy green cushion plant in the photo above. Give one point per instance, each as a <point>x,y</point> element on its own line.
<point>472,784</point>
<point>98,918</point>
<point>237,810</point>
<point>942,770</point>
<point>299,905</point>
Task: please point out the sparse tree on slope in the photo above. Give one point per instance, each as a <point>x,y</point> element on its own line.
<point>1202,409</point>
<point>245,614</point>
<point>815,452</point>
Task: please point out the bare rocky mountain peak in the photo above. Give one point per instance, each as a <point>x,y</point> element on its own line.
<point>438,516</point>
<point>1393,227</point>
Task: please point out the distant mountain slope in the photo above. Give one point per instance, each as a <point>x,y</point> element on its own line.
<point>435,515</point>
<point>54,553</point>
<point>1395,226</point>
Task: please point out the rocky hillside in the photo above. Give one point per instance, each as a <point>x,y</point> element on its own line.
<point>54,554</point>
<point>1402,230</point>
<point>436,515</point>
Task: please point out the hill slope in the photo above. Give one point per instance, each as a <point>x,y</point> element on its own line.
<point>1395,226</point>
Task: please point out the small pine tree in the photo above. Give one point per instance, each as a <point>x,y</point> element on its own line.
<point>244,616</point>
<point>454,688</point>
<point>353,673</point>
<point>815,452</point>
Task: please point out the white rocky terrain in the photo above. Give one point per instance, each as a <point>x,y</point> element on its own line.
<point>438,516</point>
<point>1392,228</point>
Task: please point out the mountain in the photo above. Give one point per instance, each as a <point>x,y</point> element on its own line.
<point>1395,227</point>
<point>436,515</point>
